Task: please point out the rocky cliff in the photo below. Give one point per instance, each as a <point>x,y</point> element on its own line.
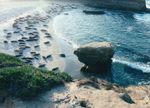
<point>131,5</point>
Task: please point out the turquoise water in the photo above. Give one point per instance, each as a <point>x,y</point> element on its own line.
<point>128,31</point>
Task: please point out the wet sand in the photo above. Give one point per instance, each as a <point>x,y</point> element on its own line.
<point>26,39</point>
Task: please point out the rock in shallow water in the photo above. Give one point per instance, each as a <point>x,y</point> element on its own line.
<point>96,55</point>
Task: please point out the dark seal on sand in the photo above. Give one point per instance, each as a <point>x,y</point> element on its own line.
<point>96,56</point>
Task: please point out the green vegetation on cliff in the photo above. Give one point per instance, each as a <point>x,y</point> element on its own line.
<point>26,81</point>
<point>8,60</point>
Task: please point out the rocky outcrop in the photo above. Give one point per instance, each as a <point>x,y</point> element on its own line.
<point>95,56</point>
<point>131,5</point>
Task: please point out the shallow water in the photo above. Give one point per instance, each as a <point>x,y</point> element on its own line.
<point>128,31</point>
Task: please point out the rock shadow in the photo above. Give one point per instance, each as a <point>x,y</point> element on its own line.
<point>15,45</point>
<point>48,44</point>
<point>106,75</point>
<point>37,48</point>
<point>49,58</point>
<point>6,46</point>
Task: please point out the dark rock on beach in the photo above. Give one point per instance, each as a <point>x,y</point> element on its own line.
<point>18,55</point>
<point>27,28</point>
<point>9,33</point>
<point>36,54</point>
<point>62,55</point>
<point>24,38</point>
<point>32,52</point>
<point>34,28</point>
<point>16,31</point>
<point>14,41</point>
<point>42,65</point>
<point>30,33</point>
<point>45,25</point>
<point>44,57</point>
<point>17,50</point>
<point>36,46</point>
<point>46,42</point>
<point>31,39</point>
<point>47,33</point>
<point>35,32</point>
<point>27,47</point>
<point>36,36</point>
<point>5,41</point>
<point>43,30</point>
<point>48,56</point>
<point>95,56</point>
<point>54,69</point>
<point>27,58</point>
<point>36,57</point>
<point>20,40</point>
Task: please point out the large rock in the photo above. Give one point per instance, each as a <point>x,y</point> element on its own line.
<point>96,55</point>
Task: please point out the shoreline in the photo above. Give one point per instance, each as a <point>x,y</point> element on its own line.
<point>71,63</point>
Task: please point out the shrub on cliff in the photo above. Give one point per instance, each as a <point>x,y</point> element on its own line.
<point>8,60</point>
<point>27,81</point>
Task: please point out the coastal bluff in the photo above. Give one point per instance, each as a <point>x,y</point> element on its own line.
<point>130,5</point>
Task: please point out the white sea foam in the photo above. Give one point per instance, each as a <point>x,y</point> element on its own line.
<point>139,66</point>
<point>142,17</point>
<point>145,16</point>
<point>148,3</point>
<point>59,35</point>
<point>144,82</point>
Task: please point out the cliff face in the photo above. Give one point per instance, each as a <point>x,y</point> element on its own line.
<point>132,5</point>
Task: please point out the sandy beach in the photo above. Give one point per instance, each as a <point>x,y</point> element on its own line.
<point>51,49</point>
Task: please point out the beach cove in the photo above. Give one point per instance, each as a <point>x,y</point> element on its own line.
<point>50,47</point>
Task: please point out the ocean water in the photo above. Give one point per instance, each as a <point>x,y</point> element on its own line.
<point>129,32</point>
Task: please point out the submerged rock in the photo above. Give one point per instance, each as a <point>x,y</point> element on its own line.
<point>93,12</point>
<point>95,56</point>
